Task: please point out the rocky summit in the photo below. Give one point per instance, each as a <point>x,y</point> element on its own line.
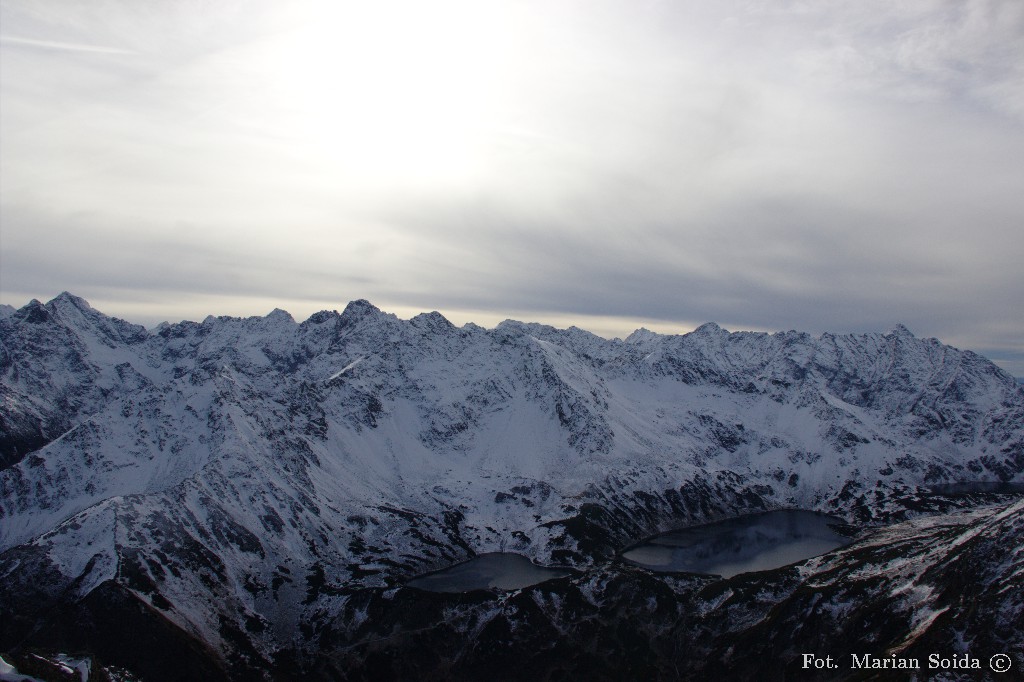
<point>245,498</point>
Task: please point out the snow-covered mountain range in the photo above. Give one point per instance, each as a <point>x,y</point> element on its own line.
<point>237,481</point>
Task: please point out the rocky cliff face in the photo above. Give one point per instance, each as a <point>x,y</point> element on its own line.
<point>237,481</point>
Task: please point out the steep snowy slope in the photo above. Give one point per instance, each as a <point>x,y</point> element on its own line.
<point>237,478</point>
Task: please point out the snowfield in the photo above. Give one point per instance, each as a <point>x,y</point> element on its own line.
<point>240,478</point>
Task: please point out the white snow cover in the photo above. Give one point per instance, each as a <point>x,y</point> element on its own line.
<point>217,453</point>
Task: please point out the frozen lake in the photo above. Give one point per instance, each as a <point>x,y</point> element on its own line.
<point>500,570</point>
<point>756,542</point>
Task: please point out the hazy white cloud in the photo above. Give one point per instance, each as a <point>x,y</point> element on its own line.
<point>766,164</point>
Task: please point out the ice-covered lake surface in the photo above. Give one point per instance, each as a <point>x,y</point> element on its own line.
<point>755,542</point>
<point>499,570</point>
<point>967,488</point>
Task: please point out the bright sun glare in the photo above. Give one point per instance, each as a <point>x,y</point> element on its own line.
<point>401,90</point>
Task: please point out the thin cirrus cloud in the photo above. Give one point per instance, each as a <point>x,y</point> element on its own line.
<point>768,165</point>
<point>16,41</point>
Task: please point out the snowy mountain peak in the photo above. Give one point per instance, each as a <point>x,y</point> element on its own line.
<point>76,314</point>
<point>641,335</point>
<point>321,317</point>
<point>33,312</point>
<point>66,298</point>
<point>710,329</point>
<point>360,308</point>
<point>279,315</point>
<point>434,321</point>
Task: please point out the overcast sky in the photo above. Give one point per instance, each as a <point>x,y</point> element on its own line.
<point>769,165</point>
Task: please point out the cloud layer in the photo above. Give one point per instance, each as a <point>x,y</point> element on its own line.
<point>767,165</point>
